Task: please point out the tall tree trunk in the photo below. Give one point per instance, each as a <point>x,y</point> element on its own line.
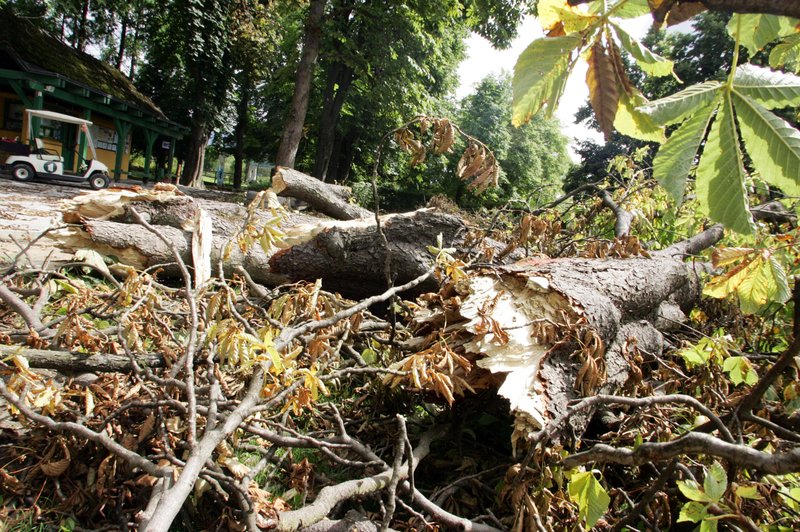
<point>134,47</point>
<point>195,154</point>
<point>195,150</point>
<point>293,128</point>
<point>241,128</point>
<point>81,42</point>
<point>123,38</point>
<point>342,159</point>
<point>340,77</point>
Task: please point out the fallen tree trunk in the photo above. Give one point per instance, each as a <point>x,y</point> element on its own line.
<point>332,200</point>
<point>348,256</point>
<point>556,330</point>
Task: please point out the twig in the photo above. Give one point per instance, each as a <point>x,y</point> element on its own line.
<point>648,496</point>
<point>32,320</point>
<point>391,489</point>
<point>330,496</point>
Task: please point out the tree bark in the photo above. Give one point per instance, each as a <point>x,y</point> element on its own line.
<point>293,128</point>
<point>80,42</point>
<point>350,257</point>
<point>134,47</point>
<point>123,37</point>
<point>573,327</point>
<point>241,128</point>
<point>347,255</point>
<point>195,154</point>
<point>327,199</point>
<point>66,361</point>
<point>787,8</point>
<point>339,79</point>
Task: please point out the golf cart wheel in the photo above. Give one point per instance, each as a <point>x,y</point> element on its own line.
<point>23,172</point>
<point>98,181</point>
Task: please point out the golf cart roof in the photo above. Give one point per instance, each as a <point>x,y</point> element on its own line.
<point>52,115</point>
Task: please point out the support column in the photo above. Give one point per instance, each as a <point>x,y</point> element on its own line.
<point>150,139</point>
<point>123,130</point>
<point>27,102</point>
<point>87,115</point>
<point>172,141</point>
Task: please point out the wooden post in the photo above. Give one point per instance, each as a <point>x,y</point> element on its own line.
<point>123,129</point>
<point>150,139</point>
<point>172,142</point>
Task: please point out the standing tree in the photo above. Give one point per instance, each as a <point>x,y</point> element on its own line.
<point>533,157</point>
<point>293,127</point>
<point>254,30</point>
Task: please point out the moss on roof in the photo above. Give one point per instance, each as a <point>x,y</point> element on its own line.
<point>37,51</point>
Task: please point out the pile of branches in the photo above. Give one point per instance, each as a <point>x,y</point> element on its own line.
<point>141,397</point>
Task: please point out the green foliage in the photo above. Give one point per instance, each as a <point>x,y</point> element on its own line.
<point>590,496</point>
<point>533,157</point>
<point>757,280</point>
<point>708,349</point>
<point>676,157</point>
<point>701,498</point>
<point>651,63</point>
<point>540,75</point>
<point>756,30</point>
<point>740,105</point>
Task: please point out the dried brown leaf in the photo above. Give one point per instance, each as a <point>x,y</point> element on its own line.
<point>601,79</point>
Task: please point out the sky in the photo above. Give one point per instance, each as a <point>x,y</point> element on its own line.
<point>483,60</point>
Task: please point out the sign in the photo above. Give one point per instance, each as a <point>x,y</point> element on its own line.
<point>165,144</point>
<point>50,167</point>
<point>105,138</point>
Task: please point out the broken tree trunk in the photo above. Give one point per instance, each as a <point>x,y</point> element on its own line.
<point>332,200</point>
<point>555,330</point>
<point>348,256</point>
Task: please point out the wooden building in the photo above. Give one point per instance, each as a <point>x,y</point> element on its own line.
<point>37,71</point>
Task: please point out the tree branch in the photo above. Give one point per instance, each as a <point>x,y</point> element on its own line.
<point>77,362</point>
<point>32,320</point>
<point>693,443</point>
<point>788,8</point>
<point>330,496</point>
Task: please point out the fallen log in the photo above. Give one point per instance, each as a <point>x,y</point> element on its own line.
<point>332,200</point>
<point>348,256</point>
<point>555,330</point>
<point>67,361</point>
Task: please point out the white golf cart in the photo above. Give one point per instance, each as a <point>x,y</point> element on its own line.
<point>47,164</point>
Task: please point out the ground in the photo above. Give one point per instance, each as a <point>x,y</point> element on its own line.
<point>27,209</point>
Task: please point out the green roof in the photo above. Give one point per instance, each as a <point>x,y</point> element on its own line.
<point>37,52</point>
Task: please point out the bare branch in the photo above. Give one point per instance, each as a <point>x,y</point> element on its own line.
<point>25,312</point>
<point>779,463</point>
<point>77,362</point>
